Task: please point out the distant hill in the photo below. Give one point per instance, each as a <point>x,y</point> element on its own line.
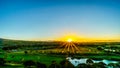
<point>1,40</point>
<point>9,42</point>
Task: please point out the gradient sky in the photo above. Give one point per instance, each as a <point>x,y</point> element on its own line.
<point>51,19</point>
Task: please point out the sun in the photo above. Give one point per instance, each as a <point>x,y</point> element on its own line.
<point>69,40</point>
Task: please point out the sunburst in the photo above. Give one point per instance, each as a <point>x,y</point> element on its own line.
<point>69,40</point>
<point>68,47</point>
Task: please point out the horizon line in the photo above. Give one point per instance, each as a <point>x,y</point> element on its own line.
<point>62,40</point>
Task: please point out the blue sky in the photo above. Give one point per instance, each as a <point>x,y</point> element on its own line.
<point>50,19</point>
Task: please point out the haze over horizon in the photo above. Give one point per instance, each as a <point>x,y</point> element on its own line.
<point>56,19</point>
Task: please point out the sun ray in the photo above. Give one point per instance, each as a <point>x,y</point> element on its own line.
<point>68,47</point>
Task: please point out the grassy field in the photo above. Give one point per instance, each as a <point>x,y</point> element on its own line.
<point>20,57</point>
<point>46,56</point>
<point>43,58</point>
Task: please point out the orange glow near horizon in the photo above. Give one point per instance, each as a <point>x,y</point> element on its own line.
<point>77,38</point>
<point>69,38</point>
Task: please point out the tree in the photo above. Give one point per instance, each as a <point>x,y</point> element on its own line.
<point>83,65</point>
<point>89,61</point>
<point>40,65</point>
<point>54,65</point>
<point>2,61</point>
<point>25,52</point>
<point>29,63</point>
<point>66,64</point>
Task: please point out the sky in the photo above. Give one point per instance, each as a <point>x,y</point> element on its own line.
<point>53,19</point>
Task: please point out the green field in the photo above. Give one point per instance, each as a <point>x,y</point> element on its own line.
<point>47,52</point>
<point>18,57</point>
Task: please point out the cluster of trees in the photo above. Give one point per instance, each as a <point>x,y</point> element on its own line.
<point>31,46</point>
<point>64,64</point>
<point>67,64</point>
<point>33,64</point>
<point>9,48</point>
<point>54,64</point>
<point>110,49</point>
